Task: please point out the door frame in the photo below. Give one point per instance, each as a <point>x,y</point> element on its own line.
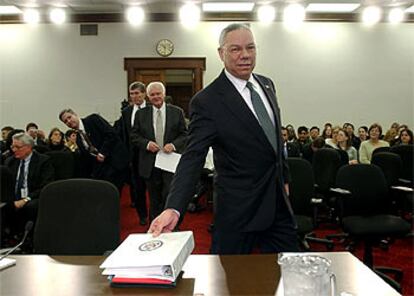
<point>198,65</point>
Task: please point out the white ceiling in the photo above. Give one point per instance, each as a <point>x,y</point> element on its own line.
<point>168,6</point>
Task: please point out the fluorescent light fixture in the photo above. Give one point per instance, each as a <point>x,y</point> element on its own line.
<point>227,6</point>
<point>371,15</point>
<point>135,15</point>
<point>190,15</point>
<point>410,9</point>
<point>266,14</point>
<point>332,7</point>
<point>9,9</point>
<point>31,16</point>
<point>396,15</point>
<point>57,16</point>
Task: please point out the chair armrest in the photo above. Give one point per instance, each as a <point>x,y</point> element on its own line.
<point>402,188</point>
<point>341,191</point>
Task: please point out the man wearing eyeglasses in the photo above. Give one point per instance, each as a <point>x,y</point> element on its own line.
<point>31,172</point>
<point>238,116</point>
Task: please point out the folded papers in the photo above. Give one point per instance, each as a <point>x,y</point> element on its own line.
<point>144,260</point>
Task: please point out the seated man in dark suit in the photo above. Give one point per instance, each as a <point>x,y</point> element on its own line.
<point>32,171</point>
<point>103,156</point>
<point>290,149</point>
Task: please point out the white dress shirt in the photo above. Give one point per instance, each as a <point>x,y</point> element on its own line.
<point>135,109</point>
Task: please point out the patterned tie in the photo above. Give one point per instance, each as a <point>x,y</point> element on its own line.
<point>20,180</point>
<point>87,142</point>
<point>159,130</point>
<point>263,116</point>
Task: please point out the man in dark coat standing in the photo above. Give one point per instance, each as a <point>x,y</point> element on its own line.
<point>103,155</point>
<point>238,115</point>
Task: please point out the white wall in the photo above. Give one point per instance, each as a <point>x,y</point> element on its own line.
<point>333,72</point>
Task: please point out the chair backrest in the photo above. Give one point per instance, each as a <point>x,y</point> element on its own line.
<point>381,149</point>
<point>77,217</point>
<point>368,188</point>
<point>6,184</point>
<point>64,164</point>
<point>301,186</point>
<point>390,164</point>
<point>326,162</point>
<point>406,152</point>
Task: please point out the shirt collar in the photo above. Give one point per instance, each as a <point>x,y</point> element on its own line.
<point>28,158</point>
<point>162,108</point>
<point>81,126</point>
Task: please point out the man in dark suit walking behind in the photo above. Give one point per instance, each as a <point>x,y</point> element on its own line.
<point>138,188</point>
<point>103,156</point>
<point>159,128</point>
<point>238,115</point>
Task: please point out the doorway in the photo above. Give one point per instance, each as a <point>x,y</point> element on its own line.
<point>182,77</point>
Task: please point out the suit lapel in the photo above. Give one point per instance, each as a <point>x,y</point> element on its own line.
<point>168,122</point>
<point>149,120</point>
<point>236,105</point>
<point>32,165</point>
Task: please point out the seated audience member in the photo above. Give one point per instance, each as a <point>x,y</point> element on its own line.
<point>374,142</point>
<point>395,125</point>
<point>303,137</point>
<point>332,141</point>
<point>344,143</point>
<point>38,136</point>
<point>70,137</point>
<point>290,149</point>
<point>32,171</point>
<point>7,146</point>
<point>405,138</point>
<point>314,132</point>
<point>4,132</point>
<point>363,133</point>
<point>355,141</point>
<point>391,136</point>
<point>103,156</point>
<point>291,133</point>
<point>327,131</point>
<point>310,149</point>
<point>56,141</point>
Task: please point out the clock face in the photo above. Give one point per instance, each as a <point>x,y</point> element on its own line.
<point>165,47</point>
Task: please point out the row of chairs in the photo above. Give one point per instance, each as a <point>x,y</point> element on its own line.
<point>361,199</point>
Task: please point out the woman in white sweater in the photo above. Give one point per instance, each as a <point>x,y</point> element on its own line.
<point>374,142</point>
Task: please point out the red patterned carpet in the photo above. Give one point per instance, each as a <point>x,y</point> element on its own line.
<point>399,254</point>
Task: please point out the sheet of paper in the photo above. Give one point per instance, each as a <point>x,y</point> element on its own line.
<point>7,262</point>
<point>167,161</point>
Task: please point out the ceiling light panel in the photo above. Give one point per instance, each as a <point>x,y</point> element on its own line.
<point>227,6</point>
<point>9,9</point>
<point>332,7</point>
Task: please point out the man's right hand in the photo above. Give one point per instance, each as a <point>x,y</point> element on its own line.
<point>153,147</point>
<point>165,222</point>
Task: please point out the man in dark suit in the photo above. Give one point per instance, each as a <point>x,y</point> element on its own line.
<point>237,114</point>
<point>103,155</point>
<point>290,149</point>
<point>159,128</point>
<point>138,188</point>
<point>32,171</point>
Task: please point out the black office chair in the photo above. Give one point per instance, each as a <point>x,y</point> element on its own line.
<point>63,163</point>
<point>77,217</point>
<point>365,213</point>
<point>406,152</point>
<point>381,149</point>
<point>325,164</point>
<point>301,193</point>
<point>6,195</point>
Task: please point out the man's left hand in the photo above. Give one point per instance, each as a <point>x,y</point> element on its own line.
<point>168,148</point>
<point>18,204</point>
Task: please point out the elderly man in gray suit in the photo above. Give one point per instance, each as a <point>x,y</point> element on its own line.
<point>159,127</point>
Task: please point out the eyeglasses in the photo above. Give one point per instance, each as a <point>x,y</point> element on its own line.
<point>14,147</point>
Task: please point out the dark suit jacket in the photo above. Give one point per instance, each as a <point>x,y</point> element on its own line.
<point>143,132</point>
<point>249,172</point>
<point>41,172</point>
<point>106,140</point>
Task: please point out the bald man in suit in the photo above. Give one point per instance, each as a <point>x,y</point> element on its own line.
<point>238,115</point>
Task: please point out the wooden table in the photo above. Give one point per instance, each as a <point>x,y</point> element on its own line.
<point>39,275</point>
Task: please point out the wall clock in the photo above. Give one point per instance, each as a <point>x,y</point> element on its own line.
<point>165,47</point>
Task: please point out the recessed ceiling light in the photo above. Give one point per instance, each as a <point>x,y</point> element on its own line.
<point>227,6</point>
<point>332,7</point>
<point>57,15</point>
<point>135,15</point>
<point>396,15</point>
<point>266,14</point>
<point>371,15</point>
<point>9,9</point>
<point>31,16</point>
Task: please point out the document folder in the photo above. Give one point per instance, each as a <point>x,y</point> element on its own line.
<point>144,260</point>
